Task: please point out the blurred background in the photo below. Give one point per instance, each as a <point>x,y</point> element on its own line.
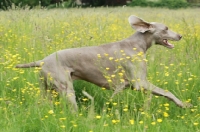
<point>7,4</point>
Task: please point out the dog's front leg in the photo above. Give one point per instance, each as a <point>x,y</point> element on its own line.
<point>158,91</point>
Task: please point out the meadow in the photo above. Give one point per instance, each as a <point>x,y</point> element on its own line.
<point>28,35</point>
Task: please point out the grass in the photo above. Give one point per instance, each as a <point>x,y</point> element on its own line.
<point>28,35</point>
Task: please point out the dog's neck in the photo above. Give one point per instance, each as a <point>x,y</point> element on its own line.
<point>144,40</point>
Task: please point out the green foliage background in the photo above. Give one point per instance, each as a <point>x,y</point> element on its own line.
<point>6,4</point>
<point>161,3</point>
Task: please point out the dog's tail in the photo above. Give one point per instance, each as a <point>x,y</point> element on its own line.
<point>31,64</point>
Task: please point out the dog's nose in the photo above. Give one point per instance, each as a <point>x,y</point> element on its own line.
<point>180,36</point>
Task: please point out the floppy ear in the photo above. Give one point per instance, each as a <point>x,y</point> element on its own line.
<point>138,24</point>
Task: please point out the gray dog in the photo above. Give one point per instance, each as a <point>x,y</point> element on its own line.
<point>86,63</point>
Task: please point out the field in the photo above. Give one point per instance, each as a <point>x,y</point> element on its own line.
<point>28,35</point>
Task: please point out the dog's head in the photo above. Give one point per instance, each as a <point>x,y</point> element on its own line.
<point>160,33</point>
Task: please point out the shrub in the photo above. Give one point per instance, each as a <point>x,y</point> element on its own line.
<point>5,4</point>
<point>63,4</point>
<point>161,3</point>
<point>31,3</point>
<point>171,3</point>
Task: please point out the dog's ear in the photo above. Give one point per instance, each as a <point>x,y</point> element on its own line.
<point>138,24</point>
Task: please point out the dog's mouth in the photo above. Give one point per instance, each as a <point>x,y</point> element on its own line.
<point>167,44</point>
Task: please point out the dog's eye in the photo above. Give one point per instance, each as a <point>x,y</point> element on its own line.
<point>166,28</point>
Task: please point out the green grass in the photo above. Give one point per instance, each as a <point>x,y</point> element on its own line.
<point>28,35</point>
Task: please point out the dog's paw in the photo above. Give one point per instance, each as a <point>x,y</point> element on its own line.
<point>187,105</point>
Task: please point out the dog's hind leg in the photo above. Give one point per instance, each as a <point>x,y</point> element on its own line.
<point>64,85</point>
<point>66,90</point>
<point>118,89</point>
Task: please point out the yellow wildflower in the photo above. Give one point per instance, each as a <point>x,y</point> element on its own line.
<point>153,123</point>
<point>51,112</point>
<point>141,122</point>
<point>131,122</point>
<point>98,117</point>
<point>165,114</point>
<point>196,123</point>
<point>159,120</point>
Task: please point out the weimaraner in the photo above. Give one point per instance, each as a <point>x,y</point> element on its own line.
<point>99,64</point>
